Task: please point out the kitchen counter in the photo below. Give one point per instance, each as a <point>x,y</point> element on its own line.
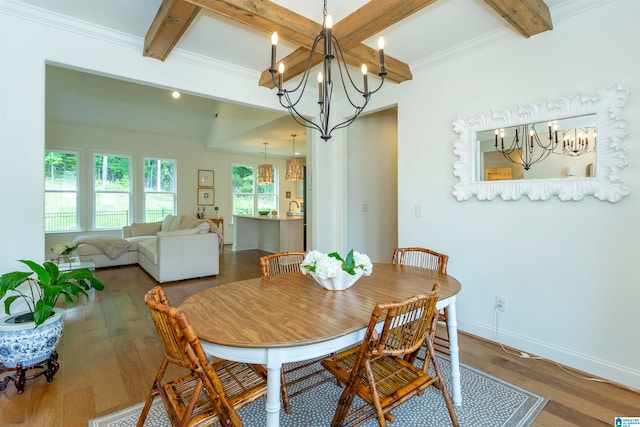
<point>269,233</point>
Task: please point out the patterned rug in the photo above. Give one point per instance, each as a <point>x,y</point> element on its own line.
<point>487,401</point>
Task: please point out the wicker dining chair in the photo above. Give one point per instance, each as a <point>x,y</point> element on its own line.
<point>275,265</point>
<point>378,371</point>
<point>209,392</point>
<point>281,263</point>
<point>432,260</point>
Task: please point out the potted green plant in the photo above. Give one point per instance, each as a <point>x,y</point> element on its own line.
<point>31,336</point>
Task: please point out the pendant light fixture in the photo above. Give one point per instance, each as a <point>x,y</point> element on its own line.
<point>265,171</point>
<point>294,166</point>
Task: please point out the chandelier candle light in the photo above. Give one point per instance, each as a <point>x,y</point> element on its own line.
<point>325,82</point>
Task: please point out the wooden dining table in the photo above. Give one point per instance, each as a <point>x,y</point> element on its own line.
<point>280,319</point>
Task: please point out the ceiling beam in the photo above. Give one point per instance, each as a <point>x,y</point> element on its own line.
<point>369,20</point>
<point>529,17</point>
<point>269,17</point>
<point>171,21</point>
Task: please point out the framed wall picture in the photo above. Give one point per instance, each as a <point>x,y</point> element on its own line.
<point>206,197</point>
<point>205,178</point>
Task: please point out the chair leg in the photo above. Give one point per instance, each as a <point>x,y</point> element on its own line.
<point>441,339</point>
<point>344,403</point>
<point>286,405</point>
<point>155,391</point>
<point>443,387</point>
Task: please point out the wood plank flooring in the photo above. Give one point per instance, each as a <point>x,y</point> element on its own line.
<point>109,355</point>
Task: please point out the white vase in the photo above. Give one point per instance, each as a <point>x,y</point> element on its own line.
<point>341,282</point>
<point>25,344</point>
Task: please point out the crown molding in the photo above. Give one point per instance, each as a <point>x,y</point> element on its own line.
<point>108,35</point>
<point>558,13</point>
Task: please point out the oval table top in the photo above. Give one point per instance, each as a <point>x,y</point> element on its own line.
<point>293,310</point>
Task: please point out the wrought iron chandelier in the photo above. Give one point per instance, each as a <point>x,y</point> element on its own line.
<point>578,141</point>
<point>294,166</point>
<point>289,99</point>
<point>526,148</point>
<point>265,171</point>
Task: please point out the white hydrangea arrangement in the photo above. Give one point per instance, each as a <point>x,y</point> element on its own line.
<point>327,266</point>
<point>63,250</point>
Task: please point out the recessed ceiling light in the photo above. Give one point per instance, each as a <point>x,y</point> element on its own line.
<point>175,94</point>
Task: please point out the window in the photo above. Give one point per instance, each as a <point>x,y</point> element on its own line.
<point>159,189</point>
<point>112,191</point>
<point>60,191</point>
<point>246,198</point>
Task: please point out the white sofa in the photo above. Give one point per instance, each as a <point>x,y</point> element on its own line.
<point>180,247</point>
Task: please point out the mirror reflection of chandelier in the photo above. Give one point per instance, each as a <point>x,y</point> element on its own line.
<point>526,147</point>
<point>578,141</point>
<point>289,99</point>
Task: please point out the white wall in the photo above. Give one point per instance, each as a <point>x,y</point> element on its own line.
<point>569,270</point>
<point>372,153</point>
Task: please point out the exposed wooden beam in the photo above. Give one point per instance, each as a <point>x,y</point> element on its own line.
<point>268,17</point>
<point>529,17</point>
<point>171,21</point>
<point>365,22</point>
<point>373,17</point>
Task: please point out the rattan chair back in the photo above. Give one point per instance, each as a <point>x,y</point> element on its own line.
<point>281,263</point>
<point>379,370</point>
<point>209,392</point>
<point>421,257</point>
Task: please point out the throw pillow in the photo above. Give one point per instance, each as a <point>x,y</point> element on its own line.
<point>145,228</point>
<point>166,224</point>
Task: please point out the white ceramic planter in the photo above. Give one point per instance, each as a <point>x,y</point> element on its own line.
<point>341,282</point>
<point>22,343</point>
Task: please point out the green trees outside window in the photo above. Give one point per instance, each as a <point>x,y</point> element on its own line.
<point>249,196</point>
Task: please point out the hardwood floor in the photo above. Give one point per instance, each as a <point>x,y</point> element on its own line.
<point>109,355</point>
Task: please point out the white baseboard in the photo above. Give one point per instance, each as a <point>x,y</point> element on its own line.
<point>597,367</point>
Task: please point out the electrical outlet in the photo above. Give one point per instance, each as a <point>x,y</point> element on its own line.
<point>418,210</point>
<point>501,303</point>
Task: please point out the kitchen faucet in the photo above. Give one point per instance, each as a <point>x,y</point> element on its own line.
<point>297,204</point>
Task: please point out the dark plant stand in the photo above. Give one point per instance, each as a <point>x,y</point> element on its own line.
<point>47,367</point>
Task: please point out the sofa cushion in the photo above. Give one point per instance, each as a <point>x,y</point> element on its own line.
<point>149,248</point>
<point>137,239</point>
<point>167,222</point>
<point>145,228</point>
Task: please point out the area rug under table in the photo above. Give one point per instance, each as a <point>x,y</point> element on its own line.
<point>487,401</point>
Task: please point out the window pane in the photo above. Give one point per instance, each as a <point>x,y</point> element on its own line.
<point>160,189</point>
<point>60,171</point>
<point>112,210</point>
<point>60,211</point>
<point>111,173</point>
<point>160,175</point>
<point>111,189</point>
<point>266,201</point>
<point>61,191</point>
<point>267,187</point>
<point>158,205</point>
<point>243,204</point>
<point>242,179</point>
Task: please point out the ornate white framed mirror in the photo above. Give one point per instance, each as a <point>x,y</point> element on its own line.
<point>569,147</point>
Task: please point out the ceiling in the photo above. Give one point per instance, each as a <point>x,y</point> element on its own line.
<point>439,30</point>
